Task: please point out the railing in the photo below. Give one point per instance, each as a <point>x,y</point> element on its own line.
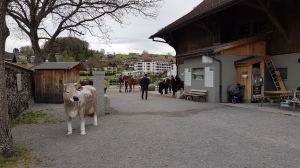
<point>114,82</point>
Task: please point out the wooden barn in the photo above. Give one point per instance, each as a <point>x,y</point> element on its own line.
<point>251,42</point>
<point>50,78</point>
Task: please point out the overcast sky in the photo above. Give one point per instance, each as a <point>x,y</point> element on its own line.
<point>134,38</point>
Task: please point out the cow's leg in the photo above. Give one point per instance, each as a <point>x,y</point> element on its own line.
<point>69,125</point>
<point>95,116</point>
<point>95,112</point>
<point>82,123</point>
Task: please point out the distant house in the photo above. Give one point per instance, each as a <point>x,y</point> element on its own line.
<point>50,77</point>
<point>58,57</point>
<point>9,57</point>
<point>21,56</point>
<point>108,66</point>
<point>110,56</point>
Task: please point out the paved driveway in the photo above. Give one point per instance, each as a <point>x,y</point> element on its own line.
<point>166,132</point>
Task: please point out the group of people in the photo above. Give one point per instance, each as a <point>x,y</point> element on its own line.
<point>144,82</point>
<point>121,81</point>
<point>175,83</point>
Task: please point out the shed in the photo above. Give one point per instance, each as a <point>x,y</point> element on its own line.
<point>50,77</point>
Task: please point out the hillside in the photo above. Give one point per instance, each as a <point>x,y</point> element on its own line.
<point>121,57</point>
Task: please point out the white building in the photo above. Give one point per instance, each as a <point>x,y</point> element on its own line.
<point>173,70</point>
<point>151,66</point>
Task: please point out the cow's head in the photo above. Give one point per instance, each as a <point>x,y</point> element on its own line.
<point>70,91</point>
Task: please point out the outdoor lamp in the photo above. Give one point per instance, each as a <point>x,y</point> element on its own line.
<point>245,74</point>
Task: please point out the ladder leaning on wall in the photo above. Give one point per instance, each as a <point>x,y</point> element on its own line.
<point>275,75</point>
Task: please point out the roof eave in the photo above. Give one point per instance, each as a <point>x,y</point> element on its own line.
<point>190,20</point>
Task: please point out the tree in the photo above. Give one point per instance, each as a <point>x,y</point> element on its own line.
<point>72,45</point>
<point>6,141</point>
<point>27,50</point>
<point>52,57</point>
<point>15,50</point>
<point>74,17</point>
<point>145,52</point>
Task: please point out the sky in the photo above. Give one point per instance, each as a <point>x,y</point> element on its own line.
<point>133,38</point>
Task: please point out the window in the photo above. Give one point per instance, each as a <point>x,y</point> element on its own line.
<point>283,73</point>
<point>259,27</point>
<point>198,73</point>
<point>245,30</point>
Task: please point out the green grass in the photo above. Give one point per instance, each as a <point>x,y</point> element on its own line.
<point>23,159</point>
<point>28,118</point>
<point>86,77</point>
<point>37,117</point>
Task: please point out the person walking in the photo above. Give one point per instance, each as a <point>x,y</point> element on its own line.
<point>174,85</point>
<point>105,85</point>
<point>120,83</point>
<point>145,81</point>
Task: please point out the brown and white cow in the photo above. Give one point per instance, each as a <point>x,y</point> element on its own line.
<point>80,100</point>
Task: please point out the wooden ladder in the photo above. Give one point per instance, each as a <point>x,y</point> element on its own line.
<point>275,75</point>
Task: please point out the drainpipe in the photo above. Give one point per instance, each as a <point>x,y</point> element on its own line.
<point>220,77</point>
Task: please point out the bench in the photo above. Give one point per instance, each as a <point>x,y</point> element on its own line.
<point>197,93</point>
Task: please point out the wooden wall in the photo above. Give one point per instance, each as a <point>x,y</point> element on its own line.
<point>49,84</point>
<point>254,49</point>
<point>247,81</point>
<point>288,15</point>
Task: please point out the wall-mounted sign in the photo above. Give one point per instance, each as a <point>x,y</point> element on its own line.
<point>209,76</point>
<point>187,77</point>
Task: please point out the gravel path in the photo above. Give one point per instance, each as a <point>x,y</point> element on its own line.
<point>165,132</point>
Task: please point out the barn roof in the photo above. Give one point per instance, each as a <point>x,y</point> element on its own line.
<point>59,65</point>
<point>8,64</point>
<point>9,56</point>
<point>250,60</point>
<point>205,8</point>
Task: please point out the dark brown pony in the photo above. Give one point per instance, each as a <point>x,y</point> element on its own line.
<point>132,81</point>
<point>86,82</point>
<point>178,84</point>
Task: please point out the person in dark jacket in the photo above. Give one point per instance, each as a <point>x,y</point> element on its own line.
<point>145,81</point>
<point>174,85</point>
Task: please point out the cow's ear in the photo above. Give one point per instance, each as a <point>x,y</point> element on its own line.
<point>79,87</point>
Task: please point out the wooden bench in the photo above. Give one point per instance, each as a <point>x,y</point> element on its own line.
<point>197,93</point>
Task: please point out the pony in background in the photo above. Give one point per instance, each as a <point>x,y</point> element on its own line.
<point>86,82</point>
<point>131,81</point>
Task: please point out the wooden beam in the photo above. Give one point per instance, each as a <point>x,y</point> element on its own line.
<point>266,9</point>
<point>204,27</point>
<point>253,5</point>
<point>273,18</point>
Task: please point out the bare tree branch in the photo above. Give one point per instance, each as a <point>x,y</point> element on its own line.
<point>52,17</point>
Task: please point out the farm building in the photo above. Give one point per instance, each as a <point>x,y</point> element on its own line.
<point>251,42</point>
<point>50,78</point>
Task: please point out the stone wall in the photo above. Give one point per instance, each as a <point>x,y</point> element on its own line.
<point>20,89</point>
